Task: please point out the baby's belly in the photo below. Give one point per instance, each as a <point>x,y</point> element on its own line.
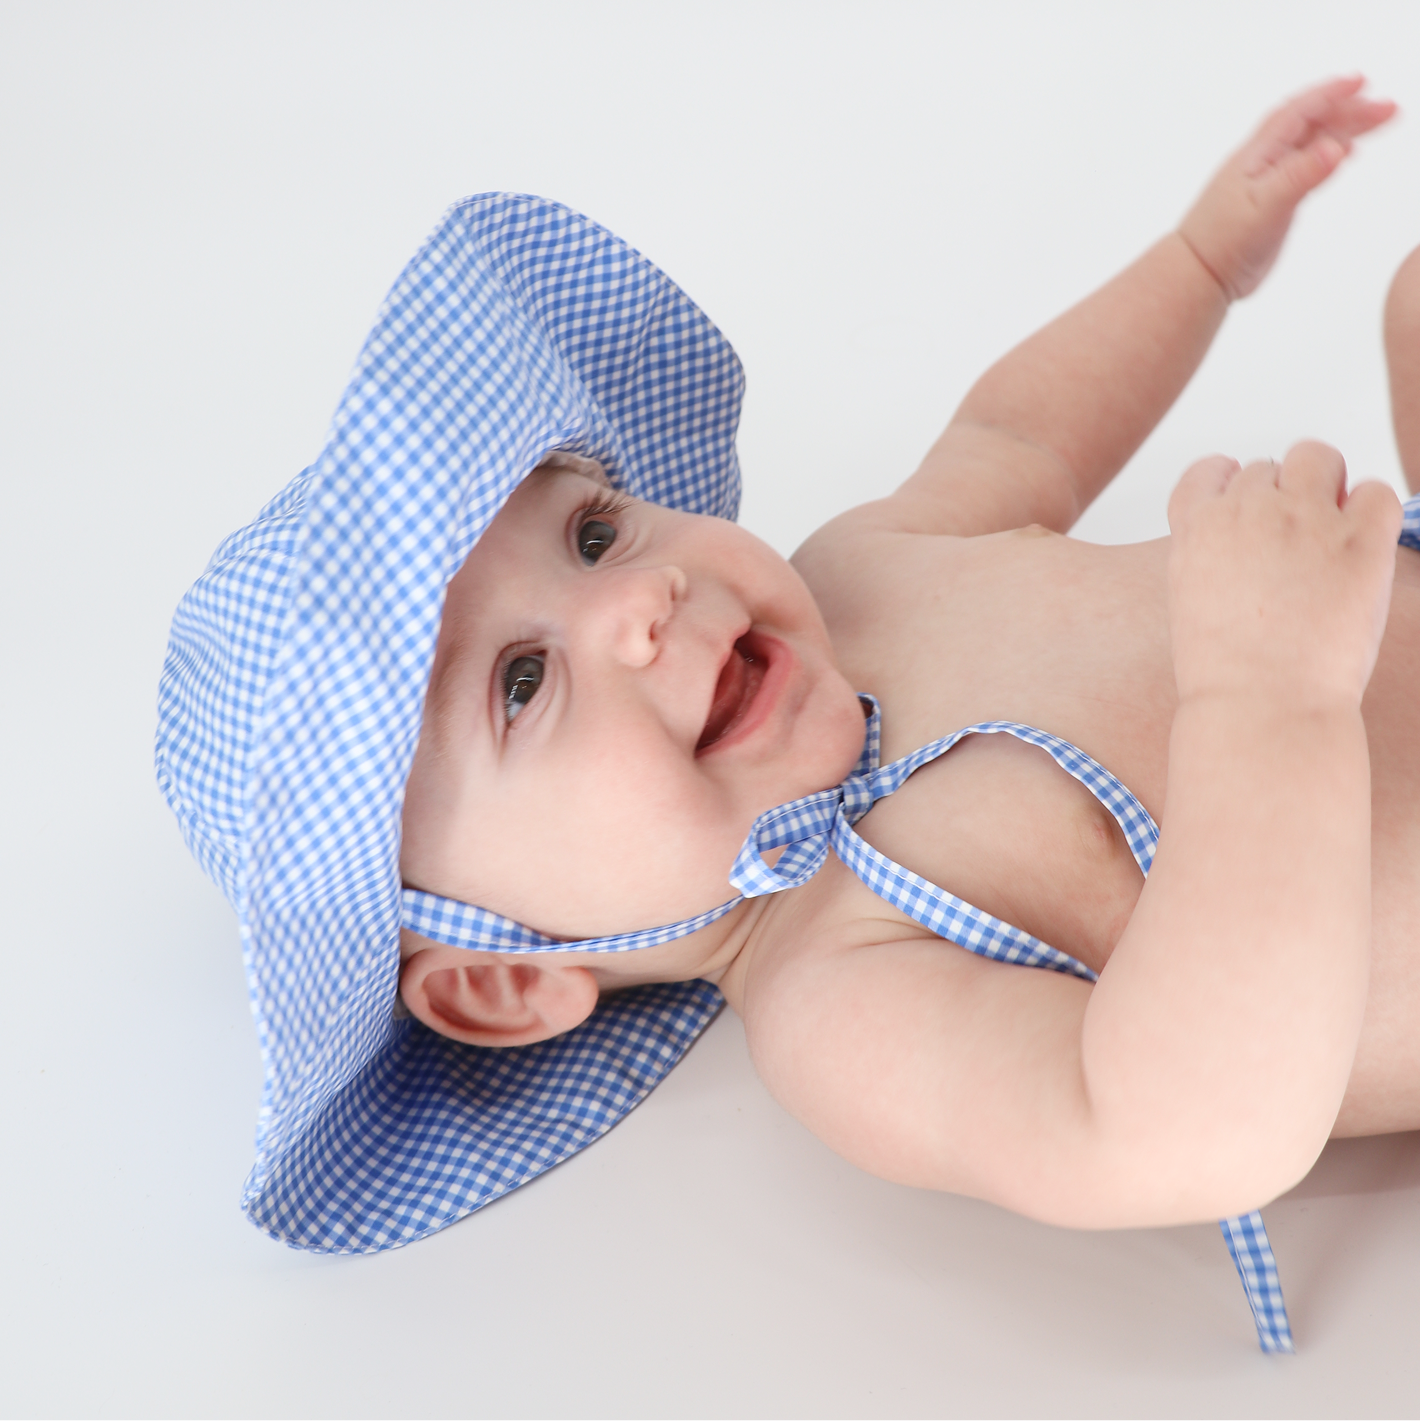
<point>1384,1093</point>
<point>1075,641</point>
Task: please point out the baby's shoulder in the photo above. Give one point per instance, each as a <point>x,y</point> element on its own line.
<point>866,570</point>
<point>865,560</point>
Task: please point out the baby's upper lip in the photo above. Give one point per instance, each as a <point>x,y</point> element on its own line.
<point>731,650</point>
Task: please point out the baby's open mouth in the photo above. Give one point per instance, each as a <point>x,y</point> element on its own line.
<point>740,679</point>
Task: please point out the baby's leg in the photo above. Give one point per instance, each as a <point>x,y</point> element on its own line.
<point>1402,347</point>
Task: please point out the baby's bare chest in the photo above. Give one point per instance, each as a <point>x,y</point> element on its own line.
<point>1033,628</point>
<point>1026,626</point>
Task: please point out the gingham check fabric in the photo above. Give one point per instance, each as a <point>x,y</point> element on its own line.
<point>293,688</point>
<point>1252,1254</point>
<point>1410,527</point>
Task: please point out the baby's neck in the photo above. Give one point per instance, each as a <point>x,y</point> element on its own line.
<point>712,953</point>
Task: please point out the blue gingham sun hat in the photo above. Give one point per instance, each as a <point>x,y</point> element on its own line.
<point>294,685</point>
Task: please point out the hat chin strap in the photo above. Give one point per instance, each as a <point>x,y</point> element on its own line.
<point>456,924</point>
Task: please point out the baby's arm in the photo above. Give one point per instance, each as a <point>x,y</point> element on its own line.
<point>1048,426</point>
<point>1235,994</point>
<point>1201,1075</point>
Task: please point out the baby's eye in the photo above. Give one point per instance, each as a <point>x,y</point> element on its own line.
<point>593,539</point>
<point>521,678</point>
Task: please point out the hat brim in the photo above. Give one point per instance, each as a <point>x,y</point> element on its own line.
<point>295,686</point>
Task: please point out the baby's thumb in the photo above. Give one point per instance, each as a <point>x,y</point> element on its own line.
<point>1205,480</point>
<point>1298,173</point>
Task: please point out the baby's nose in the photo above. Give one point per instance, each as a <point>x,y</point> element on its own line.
<point>636,604</point>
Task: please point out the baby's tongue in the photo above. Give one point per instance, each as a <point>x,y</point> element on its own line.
<point>729,694</point>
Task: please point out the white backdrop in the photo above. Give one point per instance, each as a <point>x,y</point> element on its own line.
<point>203,206</point>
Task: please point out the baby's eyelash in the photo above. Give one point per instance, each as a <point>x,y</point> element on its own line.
<point>606,505</point>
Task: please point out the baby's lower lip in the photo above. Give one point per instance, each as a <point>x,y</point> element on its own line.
<point>746,692</point>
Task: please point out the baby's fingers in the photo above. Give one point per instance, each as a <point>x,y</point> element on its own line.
<point>1336,107</point>
<point>1315,469</point>
<point>1361,115</point>
<point>1341,109</point>
<point>1374,507</point>
<point>1301,144</point>
<point>1201,483</point>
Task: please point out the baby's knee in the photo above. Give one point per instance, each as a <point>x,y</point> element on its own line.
<point>1402,302</point>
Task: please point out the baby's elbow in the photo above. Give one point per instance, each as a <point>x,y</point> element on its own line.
<point>1090,1168</point>
<point>1258,1178</point>
<point>1186,1177</point>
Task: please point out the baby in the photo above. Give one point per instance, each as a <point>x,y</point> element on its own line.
<point>621,689</point>
<point>557,770</point>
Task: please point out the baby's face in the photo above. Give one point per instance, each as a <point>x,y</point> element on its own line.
<point>618,691</point>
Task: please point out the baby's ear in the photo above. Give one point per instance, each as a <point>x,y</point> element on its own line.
<point>482,999</point>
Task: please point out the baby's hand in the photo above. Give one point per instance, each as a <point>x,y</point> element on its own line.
<point>1236,227</point>
<point>1279,581</point>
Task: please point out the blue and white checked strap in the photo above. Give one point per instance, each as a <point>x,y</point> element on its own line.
<point>805,828</point>
<point>1410,528</point>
